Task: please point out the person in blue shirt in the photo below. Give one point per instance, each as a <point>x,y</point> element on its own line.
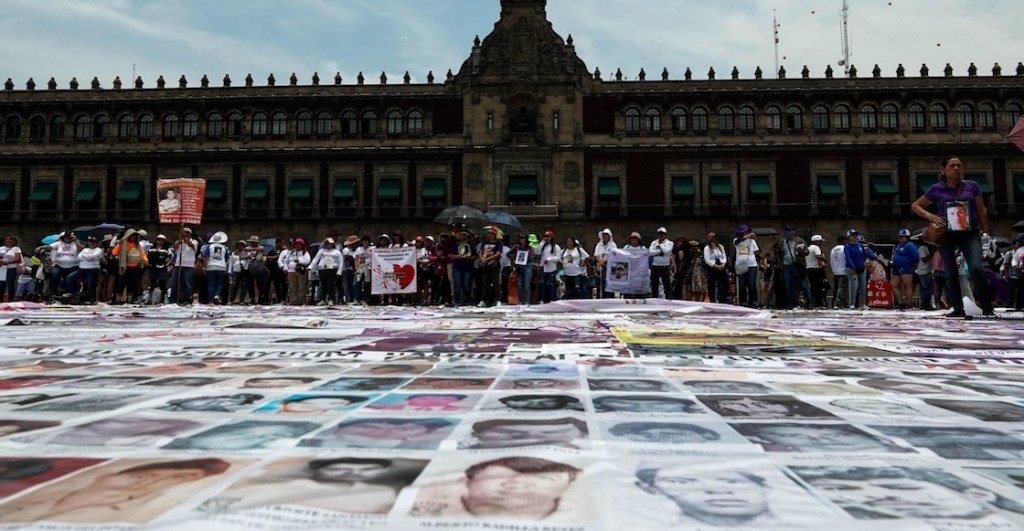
<point>904,262</point>
<point>856,269</point>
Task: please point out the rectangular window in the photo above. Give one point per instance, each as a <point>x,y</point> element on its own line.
<point>925,181</point>
<point>522,189</point>
<point>1018,186</point>
<point>434,192</point>
<point>683,188</point>
<point>389,192</point>
<point>759,186</point>
<point>344,190</point>
<point>555,122</point>
<point>257,190</point>
<point>981,179</point>
<point>216,190</point>
<point>87,192</point>
<point>829,187</point>
<point>609,191</point>
<point>131,191</point>
<point>490,121</point>
<point>44,192</point>
<point>301,190</point>
<point>720,187</point>
<point>6,192</point>
<point>882,186</point>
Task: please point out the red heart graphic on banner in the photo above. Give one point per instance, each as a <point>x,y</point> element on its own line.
<point>405,275</point>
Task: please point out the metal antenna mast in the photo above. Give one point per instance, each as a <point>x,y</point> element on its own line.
<point>845,61</point>
<point>775,24</point>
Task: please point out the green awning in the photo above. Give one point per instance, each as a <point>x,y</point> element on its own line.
<point>982,181</point>
<point>433,189</point>
<point>829,186</point>
<point>882,186</point>
<point>721,186</point>
<point>759,186</point>
<point>216,190</point>
<point>130,191</point>
<point>522,187</point>
<point>1018,182</point>
<point>925,181</point>
<point>609,188</point>
<point>87,191</point>
<point>43,192</point>
<point>6,190</point>
<point>683,187</point>
<point>257,189</point>
<point>389,189</point>
<point>344,189</point>
<point>301,189</point>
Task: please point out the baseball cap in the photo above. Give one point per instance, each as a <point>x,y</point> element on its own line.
<point>635,235</point>
<point>662,230</point>
<point>817,238</point>
<point>904,233</point>
<point>851,232</point>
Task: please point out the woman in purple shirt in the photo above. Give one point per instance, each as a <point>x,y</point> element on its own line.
<point>961,209</point>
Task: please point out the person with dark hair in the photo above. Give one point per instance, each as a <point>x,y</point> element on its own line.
<point>244,435</point>
<point>512,433</point>
<point>727,387</point>
<point>217,404</point>
<point>313,404</point>
<point>718,498</point>
<point>15,469</point>
<point>527,403</point>
<point>959,443</point>
<point>10,427</point>
<point>523,488</point>
<point>414,434</point>
<point>274,382</point>
<point>818,438</point>
<point>128,430</point>
<point>360,384</point>
<point>763,407</point>
<point>664,432</point>
<point>985,410</point>
<point>645,404</point>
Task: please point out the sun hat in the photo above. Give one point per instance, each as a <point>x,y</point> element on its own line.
<point>161,237</point>
<point>254,239</point>
<point>351,240</point>
<point>635,235</point>
<point>330,241</point>
<point>219,237</point>
<point>817,238</point>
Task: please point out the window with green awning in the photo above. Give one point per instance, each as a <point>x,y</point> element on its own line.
<point>1018,182</point>
<point>389,189</point>
<point>344,189</point>
<point>301,189</point>
<point>682,187</point>
<point>43,192</point>
<point>522,187</point>
<point>981,179</point>
<point>87,192</point>
<point>130,191</point>
<point>925,181</point>
<point>433,189</point>
<point>609,188</point>
<point>829,186</point>
<point>721,186</point>
<point>882,186</point>
<point>6,191</point>
<point>257,189</point>
<point>216,190</point>
<point>759,186</point>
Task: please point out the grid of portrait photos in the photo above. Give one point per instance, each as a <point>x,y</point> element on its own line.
<point>398,419</point>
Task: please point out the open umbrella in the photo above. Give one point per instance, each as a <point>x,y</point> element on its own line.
<point>98,230</point>
<point>1001,242</point>
<point>1016,136</point>
<point>507,222</point>
<point>1019,226</point>
<point>466,215</point>
<point>47,240</point>
<point>268,244</point>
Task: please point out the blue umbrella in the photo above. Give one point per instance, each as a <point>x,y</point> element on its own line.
<point>50,239</point>
<point>507,222</point>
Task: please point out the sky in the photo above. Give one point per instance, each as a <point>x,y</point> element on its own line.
<point>108,38</point>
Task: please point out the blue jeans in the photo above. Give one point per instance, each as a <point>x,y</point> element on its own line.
<point>463,287</point>
<point>215,284</point>
<point>858,287</point>
<point>574,287</point>
<point>969,244</point>
<point>185,296</point>
<point>926,291</point>
<point>88,278</point>
<point>58,278</point>
<point>796,279</point>
<point>746,288</point>
<point>548,289</point>
<point>523,277</point>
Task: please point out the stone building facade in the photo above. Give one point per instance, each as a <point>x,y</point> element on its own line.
<point>523,126</point>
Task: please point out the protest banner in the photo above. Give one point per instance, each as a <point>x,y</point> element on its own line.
<point>394,271</point>
<point>628,272</point>
<point>180,201</point>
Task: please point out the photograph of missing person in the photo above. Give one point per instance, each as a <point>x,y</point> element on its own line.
<point>986,410</point>
<point>185,381</point>
<point>170,200</point>
<point>763,407</point>
<point>278,382</point>
<point>993,388</point>
<point>566,432</point>
<point>99,382</point>
<point>127,430</point>
<point>361,384</point>
<point>248,368</point>
<point>660,432</point>
<point>212,404</point>
<point>816,438</point>
<point>449,384</point>
<point>517,488</point>
<point>826,389</point>
<point>355,485</point>
<point>905,387</point>
<point>20,473</point>
<point>542,370</point>
<point>649,404</point>
<point>622,371</point>
<point>89,403</point>
<point>431,403</point>
<point>1013,477</point>
<point>952,442</point>
<point>26,382</point>
<point>389,369</point>
<point>630,386</point>
<point>25,399</point>
<point>166,369</point>
<point>49,365</point>
<point>388,433</point>
<point>534,403</point>
<point>12,426</point>
<point>465,370</point>
<point>537,384</point>
<point>314,404</point>
<point>874,407</point>
<point>131,491</point>
<point>243,435</point>
<point>727,387</point>
<point>871,493</point>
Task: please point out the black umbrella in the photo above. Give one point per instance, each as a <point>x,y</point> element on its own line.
<point>463,214</point>
<point>506,222</point>
<point>1001,242</point>
<point>1019,226</point>
<point>82,233</point>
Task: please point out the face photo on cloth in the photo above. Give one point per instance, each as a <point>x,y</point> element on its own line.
<point>247,368</point>
<point>622,371</point>
<point>315,404</point>
<point>89,403</point>
<point>425,403</point>
<point>127,430</point>
<point>953,442</point>
<point>387,433</point>
<point>465,370</point>
<point>826,389</point>
<point>362,384</point>
<point>566,432</point>
<point>630,386</point>
<point>166,369</point>
<point>542,370</point>
<point>185,381</point>
<point>244,435</point>
<point>130,491</point>
<point>514,487</point>
<point>25,399</point>
<point>876,407</point>
<point>986,410</point>
<point>101,382</point>
<point>727,387</point>
<point>25,382</point>
<point>646,404</point>
<point>48,365</point>
<point>905,387</point>
<point>877,493</point>
<point>671,432</point>
<point>20,473</point>
<point>13,426</point>
<point>212,404</point>
<point>993,388</point>
<point>352,485</point>
<point>278,382</point>
<point>389,369</point>
<point>763,407</point>
<point>815,438</point>
<point>527,403</point>
<point>537,384</point>
<point>449,384</point>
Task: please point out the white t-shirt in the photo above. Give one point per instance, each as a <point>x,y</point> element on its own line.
<point>746,253</point>
<point>90,258</point>
<point>661,253</point>
<point>9,254</point>
<point>327,259</point>
<point>290,259</point>
<point>64,255</point>
<point>924,267</point>
<point>549,257</point>
<point>813,252</point>
<point>187,255</point>
<point>572,261</point>
<point>714,256</point>
<point>216,257</point>
<point>602,249</point>
<point>837,260</point>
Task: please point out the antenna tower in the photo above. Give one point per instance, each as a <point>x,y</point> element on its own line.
<point>845,61</point>
<point>775,24</point>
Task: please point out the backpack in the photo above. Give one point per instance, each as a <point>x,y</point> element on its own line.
<point>258,266</point>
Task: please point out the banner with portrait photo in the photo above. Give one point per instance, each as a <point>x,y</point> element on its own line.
<point>628,272</point>
<point>394,271</point>
<point>180,201</point>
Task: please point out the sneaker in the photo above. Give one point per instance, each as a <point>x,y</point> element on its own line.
<point>956,314</point>
<point>863,308</point>
<point>482,304</point>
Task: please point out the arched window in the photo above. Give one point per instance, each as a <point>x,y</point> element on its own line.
<point>259,124</point>
<point>279,124</point>
<point>652,121</point>
<point>37,128</point>
<point>794,118</point>
<point>190,125</point>
<point>773,118</point>
<point>145,126</point>
<point>215,125</point>
<point>819,118</point>
<point>349,123</point>
<point>323,123</point>
<point>726,120</point>
<point>395,122</point>
<point>700,120</point>
<point>869,117</point>
<point>748,119</point>
<point>939,116</point>
<point>369,125</point>
<point>842,118</point>
<point>965,116</point>
<point>12,129</point>
<point>303,123</point>
<point>125,127</point>
<point>1013,112</point>
<point>632,120</point>
<point>57,128</point>
<point>915,114</point>
<point>172,127</point>
<point>234,124</point>
<point>83,128</point>
<point>101,127</point>
<point>986,116</point>
<point>415,123</point>
<point>679,120</point>
<point>890,117</point>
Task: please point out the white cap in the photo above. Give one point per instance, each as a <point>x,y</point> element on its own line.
<point>817,238</point>
<point>606,231</point>
<point>662,230</point>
